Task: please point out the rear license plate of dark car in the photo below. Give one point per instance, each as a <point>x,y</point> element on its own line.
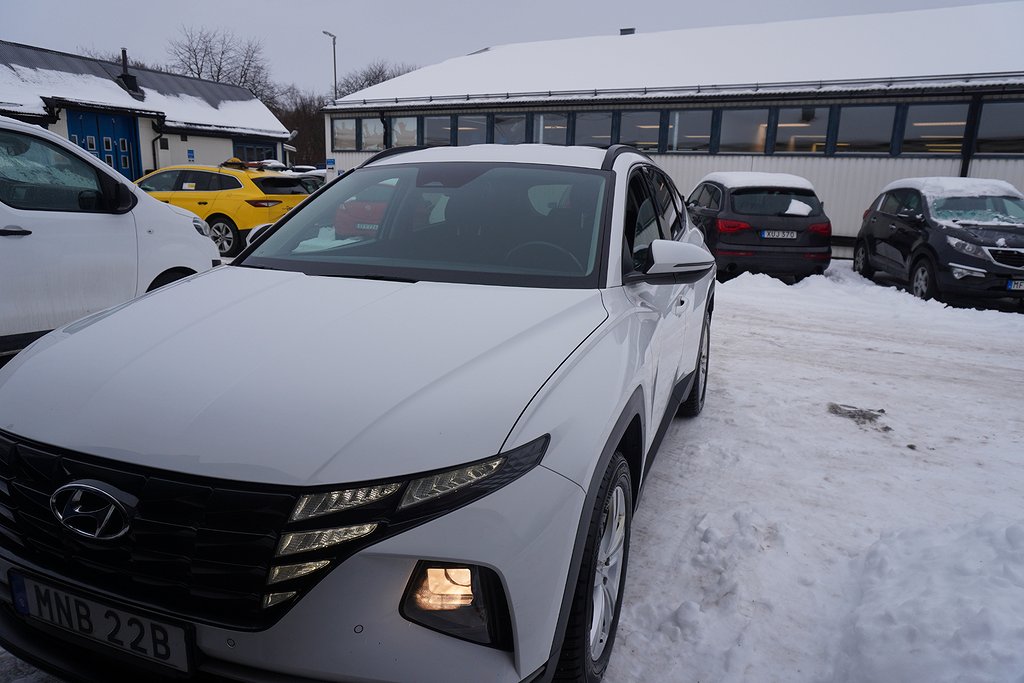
<point>113,627</point>
<point>778,234</point>
<point>1015,285</point>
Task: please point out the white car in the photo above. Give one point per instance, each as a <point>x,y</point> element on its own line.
<point>451,417</point>
<point>76,237</point>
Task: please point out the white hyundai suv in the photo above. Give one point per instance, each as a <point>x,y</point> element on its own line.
<point>76,237</point>
<point>450,417</point>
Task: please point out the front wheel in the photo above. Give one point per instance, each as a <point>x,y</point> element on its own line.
<point>597,600</point>
<point>225,235</point>
<point>694,401</point>
<point>922,280</point>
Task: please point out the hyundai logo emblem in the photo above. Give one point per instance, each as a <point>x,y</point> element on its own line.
<point>93,509</point>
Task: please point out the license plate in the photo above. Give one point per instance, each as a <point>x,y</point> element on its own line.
<point>778,234</point>
<point>1015,285</point>
<point>123,630</point>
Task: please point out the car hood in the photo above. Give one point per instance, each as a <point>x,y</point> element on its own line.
<point>280,377</point>
<point>1008,235</point>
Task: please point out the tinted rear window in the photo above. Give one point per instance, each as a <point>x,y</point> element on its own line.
<point>775,202</point>
<point>280,185</point>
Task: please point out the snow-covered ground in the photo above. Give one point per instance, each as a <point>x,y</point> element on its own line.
<point>849,508</point>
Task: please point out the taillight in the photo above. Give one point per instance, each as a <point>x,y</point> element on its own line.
<point>726,252</point>
<point>731,226</point>
<point>822,229</point>
<point>263,203</point>
<point>865,216</point>
<point>825,256</point>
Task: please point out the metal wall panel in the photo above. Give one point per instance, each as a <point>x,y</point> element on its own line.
<point>1010,170</point>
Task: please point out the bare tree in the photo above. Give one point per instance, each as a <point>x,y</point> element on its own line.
<point>217,54</point>
<point>300,110</point>
<point>375,72</point>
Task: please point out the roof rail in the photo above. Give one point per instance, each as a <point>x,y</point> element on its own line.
<point>390,152</point>
<point>614,151</point>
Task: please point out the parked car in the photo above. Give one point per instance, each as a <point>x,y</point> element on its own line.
<point>231,197</point>
<point>76,238</point>
<point>946,236</point>
<point>768,223</point>
<point>457,414</point>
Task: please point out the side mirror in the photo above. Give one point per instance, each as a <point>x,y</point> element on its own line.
<point>671,261</point>
<point>124,198</point>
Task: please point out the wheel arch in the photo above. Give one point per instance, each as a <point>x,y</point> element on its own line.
<point>168,276</point>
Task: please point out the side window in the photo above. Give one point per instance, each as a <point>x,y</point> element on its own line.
<point>890,203</point>
<point>695,196</point>
<point>198,181</point>
<point>641,225</point>
<point>666,204</point>
<point>714,200</point>
<point>160,182</point>
<point>226,182</point>
<point>37,175</point>
<point>911,202</point>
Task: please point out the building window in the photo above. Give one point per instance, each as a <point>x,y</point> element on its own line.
<point>802,130</point>
<point>372,135</point>
<point>743,130</point>
<point>471,130</point>
<point>550,129</point>
<point>403,131</point>
<point>343,134</point>
<point>935,128</point>
<point>1001,129</point>
<point>255,151</point>
<point>640,129</point>
<point>689,130</point>
<point>437,131</point>
<point>509,129</point>
<point>594,128</point>
<point>865,130</point>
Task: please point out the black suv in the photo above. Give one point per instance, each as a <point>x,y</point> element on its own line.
<point>946,237</point>
<point>762,223</point>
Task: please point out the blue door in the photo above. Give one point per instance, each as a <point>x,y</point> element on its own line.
<point>113,138</point>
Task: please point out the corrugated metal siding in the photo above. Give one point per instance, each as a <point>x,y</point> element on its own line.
<point>846,185</point>
<point>346,160</point>
<point>1010,170</point>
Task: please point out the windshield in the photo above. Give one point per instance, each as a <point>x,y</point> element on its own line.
<point>486,223</point>
<point>978,209</point>
<point>775,202</point>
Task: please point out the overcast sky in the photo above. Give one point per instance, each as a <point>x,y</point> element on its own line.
<point>418,32</point>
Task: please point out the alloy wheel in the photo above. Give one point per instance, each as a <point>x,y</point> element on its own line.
<point>608,575</point>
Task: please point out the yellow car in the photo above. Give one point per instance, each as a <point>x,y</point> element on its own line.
<point>231,198</point>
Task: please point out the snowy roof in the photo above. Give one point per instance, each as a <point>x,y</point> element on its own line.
<point>31,76</point>
<point>944,47</point>
<point>956,187</point>
<point>755,179</point>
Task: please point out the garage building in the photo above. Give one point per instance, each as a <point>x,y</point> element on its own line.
<point>136,119</point>
<point>850,102</point>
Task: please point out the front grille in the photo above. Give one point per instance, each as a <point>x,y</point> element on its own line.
<point>199,548</point>
<point>1008,257</point>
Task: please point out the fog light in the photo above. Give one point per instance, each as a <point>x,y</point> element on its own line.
<point>960,272</point>
<point>272,599</point>
<point>464,601</point>
<point>303,541</point>
<point>294,571</point>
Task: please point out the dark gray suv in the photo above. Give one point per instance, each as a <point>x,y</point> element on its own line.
<point>762,223</point>
<point>946,237</point>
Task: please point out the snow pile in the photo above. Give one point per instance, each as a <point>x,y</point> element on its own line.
<point>940,605</point>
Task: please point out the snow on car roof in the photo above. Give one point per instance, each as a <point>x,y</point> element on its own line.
<point>587,157</point>
<point>755,179</point>
<point>956,187</point>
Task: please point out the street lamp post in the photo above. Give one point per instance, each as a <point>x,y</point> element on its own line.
<point>334,47</point>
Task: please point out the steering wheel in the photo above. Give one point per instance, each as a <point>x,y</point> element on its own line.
<point>535,252</point>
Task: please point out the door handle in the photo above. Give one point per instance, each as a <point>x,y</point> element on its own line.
<point>14,231</point>
<point>873,219</point>
<point>892,226</point>
<point>202,203</point>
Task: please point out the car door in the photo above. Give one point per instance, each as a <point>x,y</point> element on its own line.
<point>906,228</point>
<point>63,252</point>
<point>883,225</point>
<point>197,191</point>
<point>660,306</point>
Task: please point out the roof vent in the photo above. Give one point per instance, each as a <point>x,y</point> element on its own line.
<point>627,31</point>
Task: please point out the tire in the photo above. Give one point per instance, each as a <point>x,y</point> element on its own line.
<point>694,401</point>
<point>861,260</point>
<point>922,280</point>
<point>168,277</point>
<point>597,601</point>
<point>225,235</point>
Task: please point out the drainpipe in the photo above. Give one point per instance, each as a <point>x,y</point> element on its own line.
<point>156,145</point>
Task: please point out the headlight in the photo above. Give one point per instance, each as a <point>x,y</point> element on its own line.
<point>425,488</point>
<point>201,227</point>
<point>964,247</point>
<point>316,504</point>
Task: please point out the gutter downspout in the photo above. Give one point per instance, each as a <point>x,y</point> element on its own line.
<point>155,144</point>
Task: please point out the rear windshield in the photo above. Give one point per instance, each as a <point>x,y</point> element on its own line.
<point>282,185</point>
<point>761,201</point>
